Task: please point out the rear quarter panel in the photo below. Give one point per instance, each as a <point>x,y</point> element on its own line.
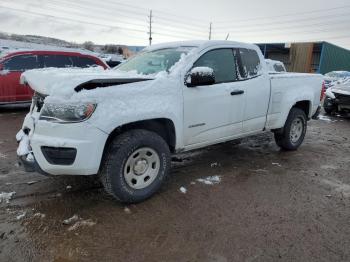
<point>287,90</point>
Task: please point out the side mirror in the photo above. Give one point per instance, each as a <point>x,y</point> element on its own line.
<point>200,76</point>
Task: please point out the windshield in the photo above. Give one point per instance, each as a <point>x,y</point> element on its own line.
<point>153,62</point>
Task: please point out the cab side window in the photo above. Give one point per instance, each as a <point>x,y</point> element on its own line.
<point>83,62</point>
<point>21,63</point>
<point>222,61</point>
<point>58,61</point>
<point>250,63</point>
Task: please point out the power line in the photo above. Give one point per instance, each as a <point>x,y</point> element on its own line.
<point>70,19</point>
<point>185,27</point>
<point>80,13</point>
<point>284,28</point>
<point>156,11</point>
<point>289,21</point>
<point>121,6</point>
<point>284,15</point>
<point>80,10</point>
<point>136,24</point>
<point>59,18</point>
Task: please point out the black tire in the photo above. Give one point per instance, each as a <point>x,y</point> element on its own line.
<point>328,106</point>
<point>328,110</point>
<point>283,137</point>
<point>116,156</point>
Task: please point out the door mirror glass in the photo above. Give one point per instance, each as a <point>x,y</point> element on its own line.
<point>200,76</point>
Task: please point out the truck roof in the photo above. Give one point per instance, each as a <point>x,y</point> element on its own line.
<point>200,44</point>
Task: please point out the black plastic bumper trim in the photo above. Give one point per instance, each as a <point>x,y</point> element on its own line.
<point>64,156</point>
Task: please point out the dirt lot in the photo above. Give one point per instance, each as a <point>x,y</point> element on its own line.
<point>269,205</point>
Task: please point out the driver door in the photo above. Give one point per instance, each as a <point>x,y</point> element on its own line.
<point>214,113</point>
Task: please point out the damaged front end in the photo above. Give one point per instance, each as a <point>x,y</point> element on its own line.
<point>25,154</point>
<point>337,101</point>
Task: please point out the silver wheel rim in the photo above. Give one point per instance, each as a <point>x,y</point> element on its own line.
<point>141,168</point>
<point>296,130</point>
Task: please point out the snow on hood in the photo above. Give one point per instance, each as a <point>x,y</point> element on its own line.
<point>342,87</point>
<point>62,82</point>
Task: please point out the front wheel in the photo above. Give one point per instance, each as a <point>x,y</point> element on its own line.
<point>293,133</point>
<point>135,166</point>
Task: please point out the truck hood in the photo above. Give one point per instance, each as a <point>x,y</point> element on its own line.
<point>342,88</point>
<point>65,82</point>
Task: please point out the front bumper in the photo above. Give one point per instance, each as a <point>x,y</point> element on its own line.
<point>64,149</point>
<point>30,166</point>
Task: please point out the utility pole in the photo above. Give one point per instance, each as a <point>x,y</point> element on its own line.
<point>210,31</point>
<point>150,27</point>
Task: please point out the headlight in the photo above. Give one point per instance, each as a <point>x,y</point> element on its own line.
<point>66,113</point>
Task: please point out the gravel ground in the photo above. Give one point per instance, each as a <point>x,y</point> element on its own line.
<point>260,204</point>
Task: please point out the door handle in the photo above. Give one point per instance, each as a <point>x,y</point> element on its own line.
<point>237,92</point>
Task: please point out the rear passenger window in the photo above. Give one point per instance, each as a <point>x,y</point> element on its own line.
<point>278,68</point>
<point>84,62</point>
<point>59,61</point>
<point>21,63</point>
<point>222,62</point>
<point>250,63</point>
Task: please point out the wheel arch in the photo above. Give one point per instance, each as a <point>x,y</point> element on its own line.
<point>164,127</point>
<point>304,105</point>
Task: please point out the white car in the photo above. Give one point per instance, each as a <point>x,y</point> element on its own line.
<point>335,77</point>
<point>337,98</point>
<point>274,66</point>
<point>124,124</point>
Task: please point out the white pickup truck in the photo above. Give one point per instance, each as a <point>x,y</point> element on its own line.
<point>124,124</point>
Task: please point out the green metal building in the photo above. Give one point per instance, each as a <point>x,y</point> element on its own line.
<point>320,57</point>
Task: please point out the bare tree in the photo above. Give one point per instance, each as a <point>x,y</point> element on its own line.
<point>89,45</point>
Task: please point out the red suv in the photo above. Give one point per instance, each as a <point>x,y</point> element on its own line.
<point>13,64</point>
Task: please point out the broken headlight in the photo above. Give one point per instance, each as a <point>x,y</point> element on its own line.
<point>67,113</point>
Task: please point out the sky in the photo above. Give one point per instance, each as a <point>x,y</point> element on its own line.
<point>127,22</point>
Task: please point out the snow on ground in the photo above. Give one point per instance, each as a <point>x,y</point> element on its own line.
<point>82,223</point>
<point>2,155</point>
<point>6,196</point>
<point>77,222</point>
<point>183,190</point>
<point>338,186</point>
<point>276,164</point>
<point>325,118</point>
<point>70,220</point>
<point>19,217</point>
<point>39,215</point>
<point>210,180</point>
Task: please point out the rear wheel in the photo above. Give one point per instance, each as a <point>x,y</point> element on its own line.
<point>293,133</point>
<point>135,165</point>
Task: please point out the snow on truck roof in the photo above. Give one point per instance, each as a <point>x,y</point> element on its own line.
<point>202,44</point>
